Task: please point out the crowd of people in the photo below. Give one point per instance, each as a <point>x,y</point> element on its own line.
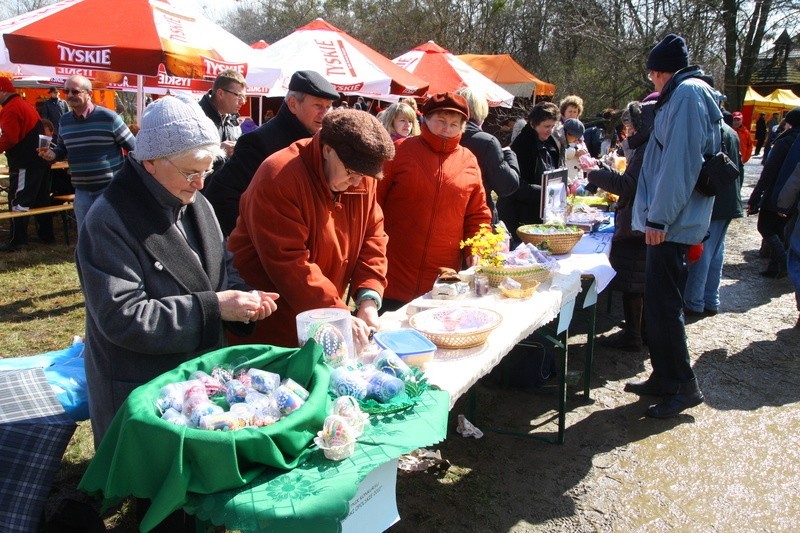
<point>322,207</point>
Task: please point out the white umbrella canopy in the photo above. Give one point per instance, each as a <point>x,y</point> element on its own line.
<point>348,64</point>
<point>447,73</point>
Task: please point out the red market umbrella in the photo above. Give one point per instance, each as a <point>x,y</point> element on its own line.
<point>349,65</point>
<point>105,40</point>
<point>446,73</point>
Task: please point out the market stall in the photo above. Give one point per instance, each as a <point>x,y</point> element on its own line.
<point>235,479</point>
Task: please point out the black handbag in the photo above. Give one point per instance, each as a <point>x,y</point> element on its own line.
<point>718,171</point>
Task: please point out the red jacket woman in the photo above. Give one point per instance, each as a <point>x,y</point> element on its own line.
<point>432,198</point>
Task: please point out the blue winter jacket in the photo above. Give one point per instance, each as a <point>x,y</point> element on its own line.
<point>686,127</point>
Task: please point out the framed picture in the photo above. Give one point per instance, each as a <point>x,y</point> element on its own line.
<point>553,207</point>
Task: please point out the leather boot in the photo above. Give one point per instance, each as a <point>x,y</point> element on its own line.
<point>680,397</point>
<point>649,387</point>
<point>777,263</point>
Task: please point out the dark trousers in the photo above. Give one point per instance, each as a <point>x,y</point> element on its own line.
<point>759,145</point>
<point>665,274</point>
<point>771,227</point>
<point>29,187</point>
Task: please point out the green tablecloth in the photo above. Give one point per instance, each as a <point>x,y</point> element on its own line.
<point>147,457</point>
<point>314,496</point>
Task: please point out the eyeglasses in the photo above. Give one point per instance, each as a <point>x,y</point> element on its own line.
<point>240,96</point>
<point>74,92</point>
<point>190,176</point>
<point>352,174</point>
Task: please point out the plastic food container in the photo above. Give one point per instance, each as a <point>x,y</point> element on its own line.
<point>412,347</point>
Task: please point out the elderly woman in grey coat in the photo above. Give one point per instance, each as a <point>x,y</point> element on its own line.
<point>158,282</point>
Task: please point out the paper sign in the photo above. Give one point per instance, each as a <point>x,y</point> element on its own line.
<point>374,507</point>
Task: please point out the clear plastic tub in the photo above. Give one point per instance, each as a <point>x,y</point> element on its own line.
<point>331,328</point>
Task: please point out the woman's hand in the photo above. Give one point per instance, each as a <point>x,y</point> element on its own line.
<point>240,306</point>
<point>364,325</point>
<point>268,305</point>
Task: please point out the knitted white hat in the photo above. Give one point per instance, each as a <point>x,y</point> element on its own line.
<point>173,124</point>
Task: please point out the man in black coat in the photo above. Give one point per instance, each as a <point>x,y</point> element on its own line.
<point>761,132</point>
<point>222,103</point>
<point>52,109</point>
<point>308,100</point>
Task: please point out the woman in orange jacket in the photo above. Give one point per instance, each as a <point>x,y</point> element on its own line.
<point>432,198</point>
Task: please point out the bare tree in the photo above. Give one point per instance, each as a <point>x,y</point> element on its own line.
<point>12,8</point>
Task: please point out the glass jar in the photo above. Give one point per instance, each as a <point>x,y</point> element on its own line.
<point>481,282</point>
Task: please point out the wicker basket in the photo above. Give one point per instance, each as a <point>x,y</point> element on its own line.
<point>527,290</point>
<point>464,339</point>
<point>557,243</point>
<point>517,273</point>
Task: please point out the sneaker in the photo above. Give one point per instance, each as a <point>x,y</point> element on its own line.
<point>710,312</point>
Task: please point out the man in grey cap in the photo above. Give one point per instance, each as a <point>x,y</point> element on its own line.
<point>308,100</point>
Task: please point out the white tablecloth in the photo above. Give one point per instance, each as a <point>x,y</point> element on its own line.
<point>590,256</point>
<point>457,370</point>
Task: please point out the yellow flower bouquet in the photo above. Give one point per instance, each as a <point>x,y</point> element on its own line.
<point>526,263</point>
<point>487,245</point>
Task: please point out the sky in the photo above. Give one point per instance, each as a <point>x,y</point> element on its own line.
<point>212,9</point>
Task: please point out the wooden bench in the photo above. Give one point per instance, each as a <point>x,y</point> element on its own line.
<point>64,209</point>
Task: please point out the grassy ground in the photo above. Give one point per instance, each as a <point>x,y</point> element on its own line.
<point>41,309</point>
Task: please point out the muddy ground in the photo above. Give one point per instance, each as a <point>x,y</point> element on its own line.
<point>731,464</point>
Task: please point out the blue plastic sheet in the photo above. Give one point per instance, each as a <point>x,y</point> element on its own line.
<point>64,372</point>
<point>608,227</point>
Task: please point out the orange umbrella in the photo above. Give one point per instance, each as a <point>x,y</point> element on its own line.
<point>504,71</point>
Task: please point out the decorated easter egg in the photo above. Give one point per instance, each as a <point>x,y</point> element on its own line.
<point>336,431</point>
<point>263,381</point>
<point>383,387</point>
<point>390,363</point>
<point>334,346</point>
<point>288,401</point>
<point>296,388</point>
<point>348,383</point>
<point>235,391</point>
